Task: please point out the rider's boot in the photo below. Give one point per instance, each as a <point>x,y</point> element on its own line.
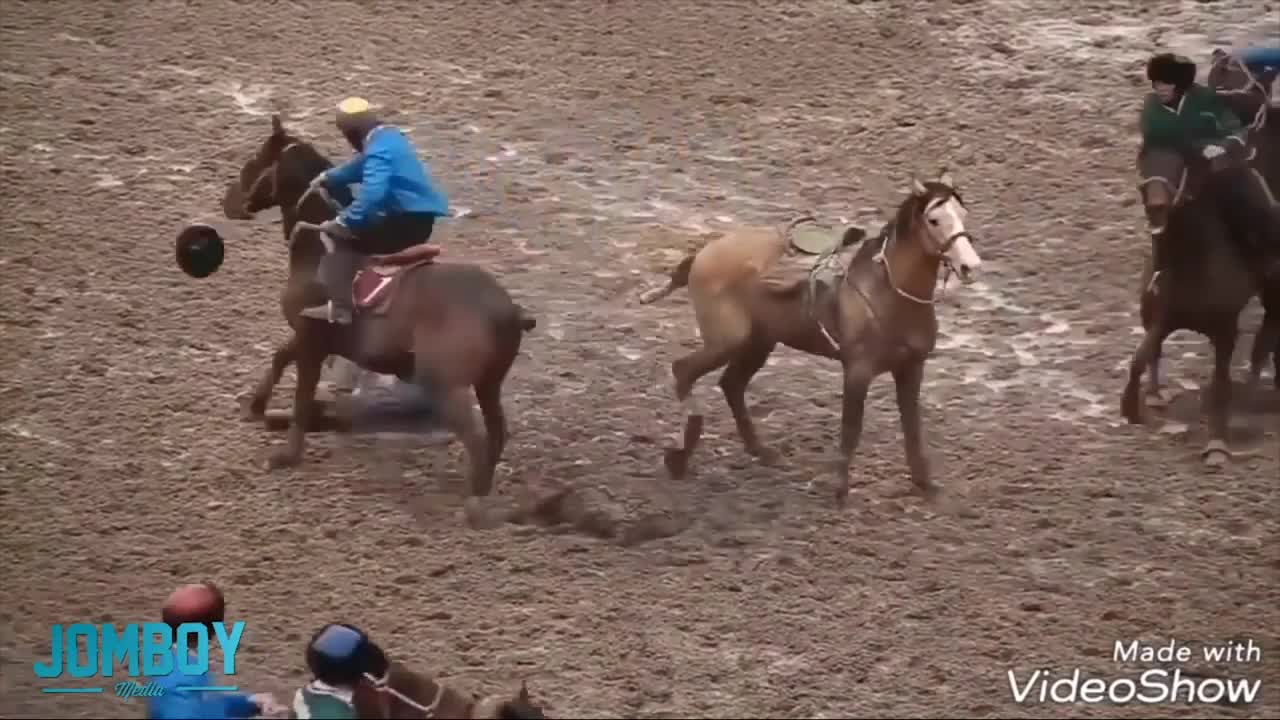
<point>337,270</point>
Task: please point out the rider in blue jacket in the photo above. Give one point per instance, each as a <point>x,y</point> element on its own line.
<point>395,209</point>
<point>1259,60</point>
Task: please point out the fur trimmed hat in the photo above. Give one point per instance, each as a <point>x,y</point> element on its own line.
<point>1176,70</point>
<point>199,249</point>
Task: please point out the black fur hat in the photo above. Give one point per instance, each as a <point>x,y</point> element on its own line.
<point>199,250</point>
<point>1176,70</point>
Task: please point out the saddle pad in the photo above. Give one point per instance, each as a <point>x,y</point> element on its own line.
<point>372,284</point>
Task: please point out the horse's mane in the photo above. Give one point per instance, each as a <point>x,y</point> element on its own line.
<point>301,159</point>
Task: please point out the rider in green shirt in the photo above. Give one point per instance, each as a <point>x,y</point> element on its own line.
<point>1182,115</point>
<point>338,658</point>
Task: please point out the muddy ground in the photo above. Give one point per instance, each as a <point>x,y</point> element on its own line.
<point>584,145</point>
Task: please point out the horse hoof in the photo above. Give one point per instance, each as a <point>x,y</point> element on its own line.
<point>1216,454</point>
<point>1214,459</point>
<point>768,457</point>
<point>282,459</point>
<point>677,462</point>
<point>1131,408</point>
<point>251,410</point>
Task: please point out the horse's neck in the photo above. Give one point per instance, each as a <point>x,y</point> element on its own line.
<point>913,270</point>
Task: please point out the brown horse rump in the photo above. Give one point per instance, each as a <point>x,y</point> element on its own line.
<point>373,288</point>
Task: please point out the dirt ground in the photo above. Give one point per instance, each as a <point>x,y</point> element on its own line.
<point>583,146</point>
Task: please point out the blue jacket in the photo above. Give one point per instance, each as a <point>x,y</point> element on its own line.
<point>178,702</point>
<point>392,181</point>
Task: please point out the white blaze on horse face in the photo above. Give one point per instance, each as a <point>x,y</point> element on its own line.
<point>945,221</point>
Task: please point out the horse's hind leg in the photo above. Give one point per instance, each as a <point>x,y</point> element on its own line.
<point>489,397</point>
<point>309,365</point>
<point>733,383</point>
<point>1216,452</point>
<point>255,406</point>
<point>459,416</point>
<point>686,371</point>
<point>1155,398</point>
<point>1265,342</point>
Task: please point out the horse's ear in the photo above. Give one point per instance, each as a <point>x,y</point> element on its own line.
<point>917,188</point>
<point>945,179</point>
<point>277,126</point>
<point>524,692</point>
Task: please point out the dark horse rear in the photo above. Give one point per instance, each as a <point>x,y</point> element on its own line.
<point>451,327</point>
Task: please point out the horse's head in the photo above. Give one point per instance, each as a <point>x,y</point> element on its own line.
<point>933,214</point>
<point>1162,181</point>
<point>277,174</point>
<point>497,707</point>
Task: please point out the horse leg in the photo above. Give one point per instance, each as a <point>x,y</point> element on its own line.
<point>1155,398</point>
<point>686,371</point>
<point>255,406</point>
<point>907,381</point>
<point>1265,342</point>
<point>1131,405</point>
<point>1217,452</point>
<point>489,398</point>
<point>857,380</point>
<point>733,383</point>
<point>459,416</point>
<point>309,366</point>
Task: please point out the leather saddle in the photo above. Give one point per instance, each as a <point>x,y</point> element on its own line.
<point>375,283</point>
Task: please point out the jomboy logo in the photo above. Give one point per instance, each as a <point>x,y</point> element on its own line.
<point>138,651</point>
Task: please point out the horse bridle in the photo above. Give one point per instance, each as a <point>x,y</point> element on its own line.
<point>1176,192</point>
<point>933,249</point>
<point>383,685</point>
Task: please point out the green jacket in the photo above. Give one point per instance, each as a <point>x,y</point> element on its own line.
<point>318,701</point>
<point>1201,118</point>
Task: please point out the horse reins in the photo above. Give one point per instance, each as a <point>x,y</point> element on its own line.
<point>383,685</point>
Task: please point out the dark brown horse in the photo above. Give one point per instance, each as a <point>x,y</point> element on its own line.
<point>403,693</point>
<point>878,316</point>
<point>448,326</point>
<point>1203,287</point>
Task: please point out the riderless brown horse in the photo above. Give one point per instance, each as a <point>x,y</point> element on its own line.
<point>878,316</point>
<point>1203,287</point>
<point>448,326</point>
<point>403,693</point>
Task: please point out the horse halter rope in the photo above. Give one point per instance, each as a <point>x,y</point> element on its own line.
<point>428,711</point>
<point>1251,84</point>
<point>933,250</point>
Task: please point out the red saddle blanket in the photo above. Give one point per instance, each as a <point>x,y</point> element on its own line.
<point>372,288</point>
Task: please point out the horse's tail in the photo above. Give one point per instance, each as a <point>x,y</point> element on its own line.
<point>679,279</point>
<point>527,321</point>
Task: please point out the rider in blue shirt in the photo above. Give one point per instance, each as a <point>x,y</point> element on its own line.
<point>200,603</point>
<point>1260,60</point>
<point>396,208</point>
